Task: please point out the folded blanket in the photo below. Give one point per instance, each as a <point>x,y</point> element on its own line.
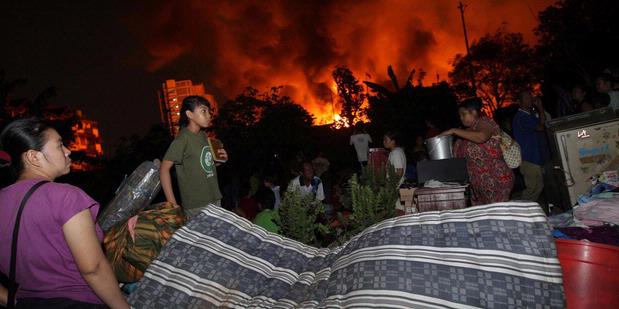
<point>493,256</point>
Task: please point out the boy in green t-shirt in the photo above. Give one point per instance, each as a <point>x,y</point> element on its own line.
<point>193,158</point>
<point>265,217</point>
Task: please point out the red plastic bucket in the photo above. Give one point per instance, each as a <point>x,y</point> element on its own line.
<point>590,274</point>
<point>378,157</point>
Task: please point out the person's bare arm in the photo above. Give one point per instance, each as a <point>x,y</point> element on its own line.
<point>79,232</point>
<point>542,114</point>
<point>399,172</point>
<point>482,134</point>
<point>166,181</point>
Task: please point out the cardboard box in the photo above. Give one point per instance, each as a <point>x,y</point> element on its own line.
<point>406,200</point>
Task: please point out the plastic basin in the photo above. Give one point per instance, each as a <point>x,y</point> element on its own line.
<point>590,274</point>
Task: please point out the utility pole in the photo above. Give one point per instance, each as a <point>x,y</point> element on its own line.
<point>461,7</point>
<point>332,106</point>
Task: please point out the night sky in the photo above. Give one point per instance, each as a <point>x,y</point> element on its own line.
<point>84,50</point>
<point>108,58</point>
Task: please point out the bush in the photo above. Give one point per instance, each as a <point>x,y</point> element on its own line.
<point>371,197</point>
<point>297,218</point>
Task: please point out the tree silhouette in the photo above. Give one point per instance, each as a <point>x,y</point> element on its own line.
<point>350,93</point>
<point>62,118</point>
<point>502,65</point>
<point>283,125</point>
<point>405,108</point>
<point>256,125</point>
<point>9,104</point>
<point>576,37</point>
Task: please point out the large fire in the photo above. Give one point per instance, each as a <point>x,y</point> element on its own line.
<point>298,43</point>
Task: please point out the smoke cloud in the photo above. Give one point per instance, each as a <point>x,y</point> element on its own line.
<point>298,43</point>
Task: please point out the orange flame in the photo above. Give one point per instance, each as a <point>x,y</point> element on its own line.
<point>297,44</point>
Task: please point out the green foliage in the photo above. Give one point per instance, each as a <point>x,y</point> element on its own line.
<point>297,218</point>
<point>501,65</point>
<point>372,197</point>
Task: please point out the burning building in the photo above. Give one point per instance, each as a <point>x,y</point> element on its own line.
<point>171,97</point>
<point>86,137</point>
<point>87,141</point>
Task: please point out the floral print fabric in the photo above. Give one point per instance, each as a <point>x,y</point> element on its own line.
<point>491,179</point>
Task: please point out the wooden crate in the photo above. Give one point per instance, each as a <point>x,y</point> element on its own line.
<point>431,199</point>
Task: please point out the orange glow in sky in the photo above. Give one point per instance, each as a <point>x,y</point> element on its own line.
<point>298,44</point>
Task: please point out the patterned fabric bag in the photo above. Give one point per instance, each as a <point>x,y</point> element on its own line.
<point>511,150</point>
<point>490,256</point>
<point>131,255</point>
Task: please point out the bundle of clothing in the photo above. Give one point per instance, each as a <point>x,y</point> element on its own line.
<point>492,256</point>
<point>132,246</point>
<point>596,220</point>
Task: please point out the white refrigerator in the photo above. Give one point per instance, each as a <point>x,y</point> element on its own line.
<point>584,150</point>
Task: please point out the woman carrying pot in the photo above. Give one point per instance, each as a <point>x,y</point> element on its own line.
<point>491,179</point>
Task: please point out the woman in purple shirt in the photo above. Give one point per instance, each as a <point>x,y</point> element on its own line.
<point>59,260</point>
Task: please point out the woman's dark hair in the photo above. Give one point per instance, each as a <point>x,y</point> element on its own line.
<point>394,136</point>
<point>190,103</point>
<point>472,104</point>
<point>20,136</point>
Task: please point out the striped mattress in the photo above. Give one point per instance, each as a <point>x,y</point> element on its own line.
<point>492,256</point>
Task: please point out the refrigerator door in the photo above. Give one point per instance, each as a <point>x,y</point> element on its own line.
<point>586,152</point>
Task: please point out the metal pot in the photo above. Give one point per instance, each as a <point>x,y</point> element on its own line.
<point>439,147</point>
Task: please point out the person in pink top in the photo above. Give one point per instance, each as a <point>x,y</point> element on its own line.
<point>59,260</point>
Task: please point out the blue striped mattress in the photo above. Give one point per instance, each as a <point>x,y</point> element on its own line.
<point>492,256</point>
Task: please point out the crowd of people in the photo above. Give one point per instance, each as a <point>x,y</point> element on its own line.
<point>479,142</point>
<point>58,259</point>
<point>582,98</point>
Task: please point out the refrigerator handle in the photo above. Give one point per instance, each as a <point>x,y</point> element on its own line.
<point>569,181</point>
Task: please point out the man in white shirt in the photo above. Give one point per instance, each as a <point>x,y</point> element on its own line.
<point>397,157</point>
<point>308,183</point>
<point>604,84</point>
<point>361,141</point>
